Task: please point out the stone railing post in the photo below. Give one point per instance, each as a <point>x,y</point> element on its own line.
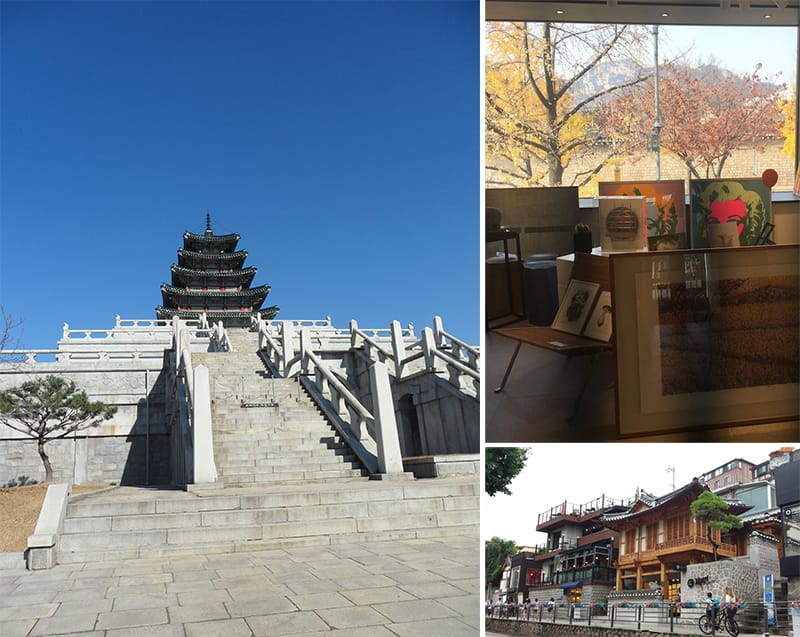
<point>398,348</point>
<point>305,348</point>
<point>438,331</point>
<point>205,470</point>
<point>355,337</point>
<point>288,332</point>
<point>390,460</point>
<point>428,348</point>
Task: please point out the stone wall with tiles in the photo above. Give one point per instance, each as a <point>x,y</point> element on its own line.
<point>743,574</point>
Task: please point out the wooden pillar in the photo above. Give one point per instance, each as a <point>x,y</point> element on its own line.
<point>663,579</point>
<point>638,577</point>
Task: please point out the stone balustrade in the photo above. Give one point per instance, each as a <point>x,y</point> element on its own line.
<point>126,366</point>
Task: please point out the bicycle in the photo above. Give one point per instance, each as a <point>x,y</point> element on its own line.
<point>724,620</point>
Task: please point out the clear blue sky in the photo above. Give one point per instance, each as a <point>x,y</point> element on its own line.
<point>340,139</point>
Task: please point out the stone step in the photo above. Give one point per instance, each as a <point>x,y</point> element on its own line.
<point>129,522</point>
<point>251,476</point>
<point>280,444</point>
<point>305,463</point>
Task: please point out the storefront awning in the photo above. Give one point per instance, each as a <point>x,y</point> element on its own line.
<point>566,586</point>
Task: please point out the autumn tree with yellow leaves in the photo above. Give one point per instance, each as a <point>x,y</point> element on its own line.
<point>538,113</point>
<point>788,129</point>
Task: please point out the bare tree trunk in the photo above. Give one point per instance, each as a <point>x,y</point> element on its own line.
<point>48,470</point>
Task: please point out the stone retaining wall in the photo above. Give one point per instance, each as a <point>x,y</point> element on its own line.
<point>113,452</point>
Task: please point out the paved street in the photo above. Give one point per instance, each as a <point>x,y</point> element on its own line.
<point>409,588</point>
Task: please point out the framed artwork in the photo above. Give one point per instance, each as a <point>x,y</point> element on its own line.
<point>544,217</point>
<point>706,338</point>
<point>666,202</point>
<point>622,223</point>
<point>663,242</point>
<point>745,201</point>
<point>600,324</point>
<point>574,309</point>
<point>723,235</point>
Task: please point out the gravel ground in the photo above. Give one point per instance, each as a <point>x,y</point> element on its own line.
<point>19,510</point>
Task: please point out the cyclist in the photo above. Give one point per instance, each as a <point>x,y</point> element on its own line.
<point>731,603</point>
<point>712,605</point>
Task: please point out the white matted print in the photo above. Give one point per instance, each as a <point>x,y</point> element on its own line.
<point>575,307</point>
<point>599,324</point>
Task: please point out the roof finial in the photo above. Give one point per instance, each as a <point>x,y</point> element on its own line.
<point>208,222</point>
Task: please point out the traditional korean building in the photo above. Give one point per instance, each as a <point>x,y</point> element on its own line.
<point>576,565</point>
<point>210,277</point>
<point>659,537</point>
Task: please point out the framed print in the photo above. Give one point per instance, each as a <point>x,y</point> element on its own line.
<point>706,338</point>
<point>667,242</point>
<point>599,325</point>
<point>744,201</point>
<point>622,223</point>
<point>575,307</point>
<point>665,202</point>
<point>544,217</point>
<point>797,183</point>
<point>723,235</point>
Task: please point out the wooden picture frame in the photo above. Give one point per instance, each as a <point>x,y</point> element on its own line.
<point>706,338</point>
<point>662,242</point>
<point>600,324</point>
<point>622,223</point>
<point>574,309</point>
<point>746,201</point>
<point>666,202</point>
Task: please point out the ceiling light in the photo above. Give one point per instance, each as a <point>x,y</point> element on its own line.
<point>560,11</point>
<point>664,14</point>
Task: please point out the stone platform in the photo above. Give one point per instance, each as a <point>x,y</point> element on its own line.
<point>408,588</point>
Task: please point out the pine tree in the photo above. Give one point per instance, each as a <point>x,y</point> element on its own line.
<point>48,409</point>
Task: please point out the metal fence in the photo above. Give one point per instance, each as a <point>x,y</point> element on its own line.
<point>667,617</point>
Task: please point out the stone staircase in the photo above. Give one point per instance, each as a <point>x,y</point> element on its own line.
<point>132,522</point>
<point>267,429</point>
<point>286,481</point>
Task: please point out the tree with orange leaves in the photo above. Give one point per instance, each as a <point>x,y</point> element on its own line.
<point>706,114</point>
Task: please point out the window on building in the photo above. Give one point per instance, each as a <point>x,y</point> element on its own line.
<point>630,542</point>
<point>676,528</point>
<point>514,583</point>
<point>613,136</point>
<point>652,536</point>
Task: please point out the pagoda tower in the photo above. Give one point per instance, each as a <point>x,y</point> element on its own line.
<point>210,278</point>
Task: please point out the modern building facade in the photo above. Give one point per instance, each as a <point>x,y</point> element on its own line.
<point>576,564</point>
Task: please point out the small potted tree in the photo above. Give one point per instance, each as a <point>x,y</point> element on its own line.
<point>582,238</point>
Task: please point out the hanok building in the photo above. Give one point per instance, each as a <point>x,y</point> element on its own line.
<point>210,278</point>
<point>659,537</point>
<point>577,562</point>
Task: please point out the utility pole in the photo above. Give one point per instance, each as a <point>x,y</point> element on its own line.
<point>672,468</point>
<point>657,123</point>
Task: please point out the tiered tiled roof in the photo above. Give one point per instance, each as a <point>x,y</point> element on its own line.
<point>210,278</point>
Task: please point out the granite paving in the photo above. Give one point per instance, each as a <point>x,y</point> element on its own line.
<point>402,588</point>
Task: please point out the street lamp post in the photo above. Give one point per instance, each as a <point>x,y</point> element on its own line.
<point>657,123</point>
